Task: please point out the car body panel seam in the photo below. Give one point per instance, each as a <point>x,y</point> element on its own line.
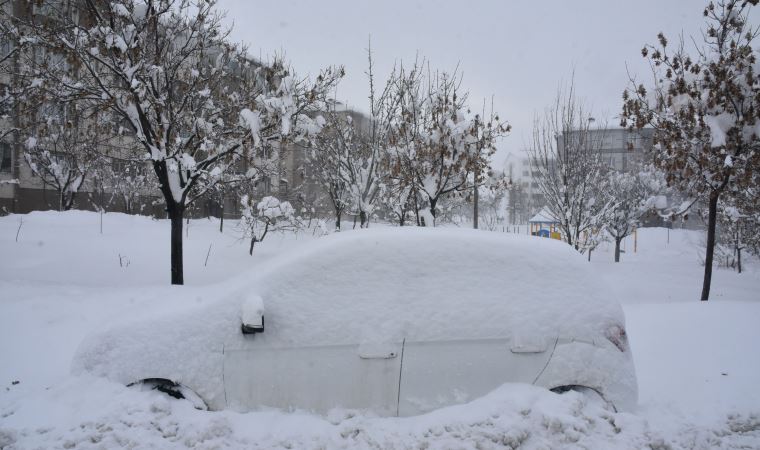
<point>548,360</point>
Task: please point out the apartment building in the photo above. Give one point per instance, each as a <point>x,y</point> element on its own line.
<point>620,148</point>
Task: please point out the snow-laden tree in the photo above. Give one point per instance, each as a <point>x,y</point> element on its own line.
<point>446,152</point>
<point>365,171</point>
<point>487,131</point>
<point>61,149</point>
<point>128,181</point>
<point>739,232</point>
<point>325,155</point>
<point>406,134</point>
<point>166,69</point>
<point>397,199</point>
<point>437,140</point>
<point>348,157</point>
<point>233,175</point>
<point>269,214</point>
<point>569,169</point>
<point>631,195</point>
<point>494,201</point>
<point>704,107</point>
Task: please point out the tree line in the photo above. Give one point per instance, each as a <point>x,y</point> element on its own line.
<point>136,96</point>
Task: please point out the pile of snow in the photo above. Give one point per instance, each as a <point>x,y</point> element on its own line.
<point>108,415</point>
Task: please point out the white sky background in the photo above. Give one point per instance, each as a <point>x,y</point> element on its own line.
<point>517,51</point>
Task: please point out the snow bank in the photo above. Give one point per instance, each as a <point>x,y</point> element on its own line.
<point>67,248</point>
<point>514,416</point>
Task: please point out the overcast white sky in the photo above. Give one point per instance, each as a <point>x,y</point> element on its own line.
<point>517,51</point>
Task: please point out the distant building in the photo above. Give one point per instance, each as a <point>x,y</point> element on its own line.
<point>525,198</point>
<point>622,149</point>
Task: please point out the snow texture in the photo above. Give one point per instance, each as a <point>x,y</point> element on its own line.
<point>62,280</point>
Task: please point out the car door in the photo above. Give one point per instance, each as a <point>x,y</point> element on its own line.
<point>440,373</point>
<point>316,378</point>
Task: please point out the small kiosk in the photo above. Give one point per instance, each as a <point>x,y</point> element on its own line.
<point>544,224</point>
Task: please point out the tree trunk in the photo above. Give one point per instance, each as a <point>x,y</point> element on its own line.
<point>221,217</point>
<point>337,219</point>
<point>711,220</point>
<point>68,201</point>
<point>568,234</point>
<point>617,249</point>
<point>253,242</point>
<point>432,210</point>
<point>739,259</point>
<point>175,215</point>
<point>589,254</point>
<point>416,208</point>
<point>476,200</point>
<point>363,219</point>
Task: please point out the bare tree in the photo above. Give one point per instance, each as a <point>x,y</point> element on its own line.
<point>568,167</point>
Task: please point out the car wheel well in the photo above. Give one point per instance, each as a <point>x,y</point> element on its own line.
<point>584,390</point>
<point>172,389</point>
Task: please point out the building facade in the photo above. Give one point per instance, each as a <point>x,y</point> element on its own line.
<point>621,149</point>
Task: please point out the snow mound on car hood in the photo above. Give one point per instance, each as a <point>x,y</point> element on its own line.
<point>428,284</point>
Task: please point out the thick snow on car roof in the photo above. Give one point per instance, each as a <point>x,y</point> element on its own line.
<point>388,284</point>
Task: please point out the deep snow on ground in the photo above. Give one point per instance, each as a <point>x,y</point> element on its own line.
<point>697,363</point>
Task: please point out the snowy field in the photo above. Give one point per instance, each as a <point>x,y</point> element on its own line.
<point>61,278</point>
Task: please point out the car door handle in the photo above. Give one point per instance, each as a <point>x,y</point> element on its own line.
<point>378,351</point>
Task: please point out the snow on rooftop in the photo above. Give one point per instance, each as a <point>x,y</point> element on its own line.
<point>543,216</point>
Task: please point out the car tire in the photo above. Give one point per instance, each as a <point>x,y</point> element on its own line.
<point>172,389</point>
<point>592,396</point>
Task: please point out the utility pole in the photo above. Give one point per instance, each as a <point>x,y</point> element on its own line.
<point>475,197</point>
<point>475,201</point>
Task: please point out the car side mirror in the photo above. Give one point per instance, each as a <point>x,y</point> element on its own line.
<point>252,316</point>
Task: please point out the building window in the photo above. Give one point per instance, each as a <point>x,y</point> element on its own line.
<point>5,100</point>
<point>5,157</point>
<point>5,47</point>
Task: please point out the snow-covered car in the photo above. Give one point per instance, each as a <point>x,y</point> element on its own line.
<point>399,321</point>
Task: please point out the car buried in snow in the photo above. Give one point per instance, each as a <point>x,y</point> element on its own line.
<point>398,321</point>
